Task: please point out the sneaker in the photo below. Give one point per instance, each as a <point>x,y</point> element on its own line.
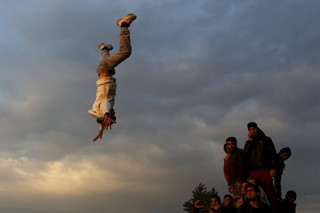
<point>102,46</point>
<point>128,19</point>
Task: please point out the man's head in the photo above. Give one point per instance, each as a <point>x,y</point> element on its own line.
<point>291,196</point>
<point>285,153</point>
<point>252,128</point>
<point>231,144</point>
<point>215,201</point>
<point>227,200</point>
<point>253,181</point>
<point>243,188</point>
<point>253,192</point>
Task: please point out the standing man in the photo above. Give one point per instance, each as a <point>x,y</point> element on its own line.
<point>260,156</point>
<point>236,169</point>
<point>282,156</point>
<point>254,205</point>
<point>102,108</point>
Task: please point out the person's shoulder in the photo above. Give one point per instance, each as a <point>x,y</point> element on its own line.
<point>266,139</point>
<point>240,150</point>
<point>242,208</point>
<point>265,206</point>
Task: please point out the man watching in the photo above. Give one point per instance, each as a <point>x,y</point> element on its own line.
<point>254,205</point>
<point>236,169</point>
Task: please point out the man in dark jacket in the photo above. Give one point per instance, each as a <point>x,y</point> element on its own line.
<point>282,156</point>
<point>236,169</point>
<point>254,205</point>
<point>260,156</point>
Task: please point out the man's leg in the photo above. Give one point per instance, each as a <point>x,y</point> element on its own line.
<point>124,50</point>
<point>263,176</point>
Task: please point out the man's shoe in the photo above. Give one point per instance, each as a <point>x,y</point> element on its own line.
<point>105,46</point>
<point>126,20</point>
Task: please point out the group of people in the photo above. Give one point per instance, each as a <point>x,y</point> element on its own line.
<point>254,176</point>
<point>253,173</point>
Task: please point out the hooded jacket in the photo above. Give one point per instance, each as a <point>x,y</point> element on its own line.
<point>260,153</point>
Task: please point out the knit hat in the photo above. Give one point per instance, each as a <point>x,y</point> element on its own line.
<point>105,46</point>
<point>252,124</point>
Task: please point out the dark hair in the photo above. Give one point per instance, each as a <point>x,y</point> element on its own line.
<point>291,193</point>
<point>228,195</point>
<point>217,197</point>
<point>286,150</point>
<point>232,139</point>
<point>255,179</point>
<point>252,124</point>
<point>256,188</point>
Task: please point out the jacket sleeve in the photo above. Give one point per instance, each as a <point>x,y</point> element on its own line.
<point>271,152</point>
<point>226,169</point>
<point>247,151</point>
<point>241,164</point>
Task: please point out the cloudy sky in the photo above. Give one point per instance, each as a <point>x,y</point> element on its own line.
<point>199,72</point>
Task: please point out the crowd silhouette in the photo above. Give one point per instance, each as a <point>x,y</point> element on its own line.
<point>254,176</point>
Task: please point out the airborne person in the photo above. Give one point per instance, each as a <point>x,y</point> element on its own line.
<point>102,108</point>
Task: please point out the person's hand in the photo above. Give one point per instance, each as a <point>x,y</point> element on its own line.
<point>199,204</point>
<point>107,122</point>
<point>98,136</point>
<point>272,173</point>
<point>230,188</point>
<point>250,138</point>
<point>217,207</point>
